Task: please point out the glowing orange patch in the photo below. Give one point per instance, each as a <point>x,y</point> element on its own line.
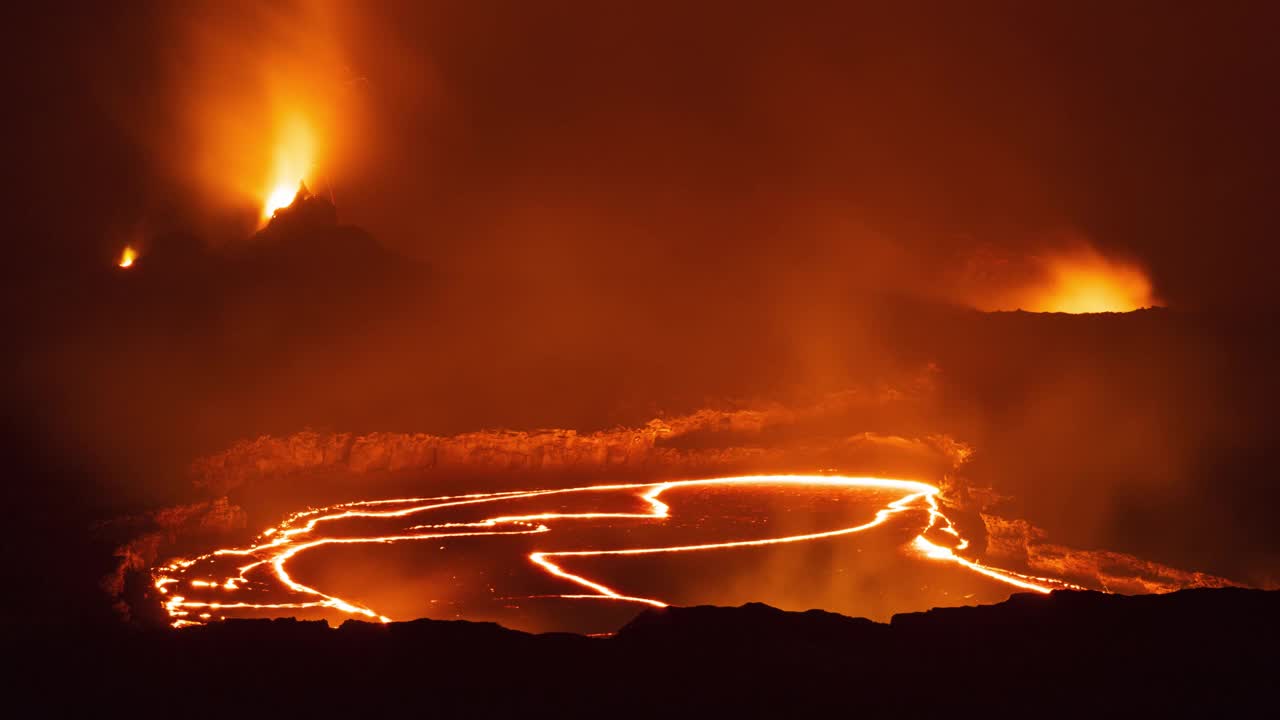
<point>1090,283</point>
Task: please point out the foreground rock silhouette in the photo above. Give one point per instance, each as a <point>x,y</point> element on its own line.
<point>1208,650</point>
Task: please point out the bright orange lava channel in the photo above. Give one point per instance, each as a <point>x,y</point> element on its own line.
<point>263,566</point>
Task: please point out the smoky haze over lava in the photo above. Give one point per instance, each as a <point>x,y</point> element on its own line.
<point>576,216</point>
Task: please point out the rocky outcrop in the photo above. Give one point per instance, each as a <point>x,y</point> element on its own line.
<point>704,441</point>
<point>157,531</point>
<point>1019,544</point>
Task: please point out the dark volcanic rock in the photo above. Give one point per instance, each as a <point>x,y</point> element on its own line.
<point>748,627</point>
<point>1210,650</point>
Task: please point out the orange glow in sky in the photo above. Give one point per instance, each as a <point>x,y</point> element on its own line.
<point>1086,282</point>
<point>1078,280</point>
<point>256,115</point>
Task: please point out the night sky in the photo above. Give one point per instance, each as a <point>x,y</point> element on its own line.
<point>737,134</point>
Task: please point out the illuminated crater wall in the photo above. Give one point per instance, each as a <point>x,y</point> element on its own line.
<point>559,530</point>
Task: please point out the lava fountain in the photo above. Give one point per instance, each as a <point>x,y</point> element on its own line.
<point>563,534</point>
<point>294,158</point>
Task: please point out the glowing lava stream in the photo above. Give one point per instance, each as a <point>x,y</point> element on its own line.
<point>299,533</point>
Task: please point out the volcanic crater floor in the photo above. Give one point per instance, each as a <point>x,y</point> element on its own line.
<point>588,559</point>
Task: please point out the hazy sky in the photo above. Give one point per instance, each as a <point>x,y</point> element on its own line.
<point>570,141</point>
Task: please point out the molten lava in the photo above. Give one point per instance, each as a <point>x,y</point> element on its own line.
<point>127,257</point>
<point>256,579</point>
<point>280,197</point>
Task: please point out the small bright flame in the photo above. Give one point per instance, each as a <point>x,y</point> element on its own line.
<point>293,160</point>
<point>127,257</point>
